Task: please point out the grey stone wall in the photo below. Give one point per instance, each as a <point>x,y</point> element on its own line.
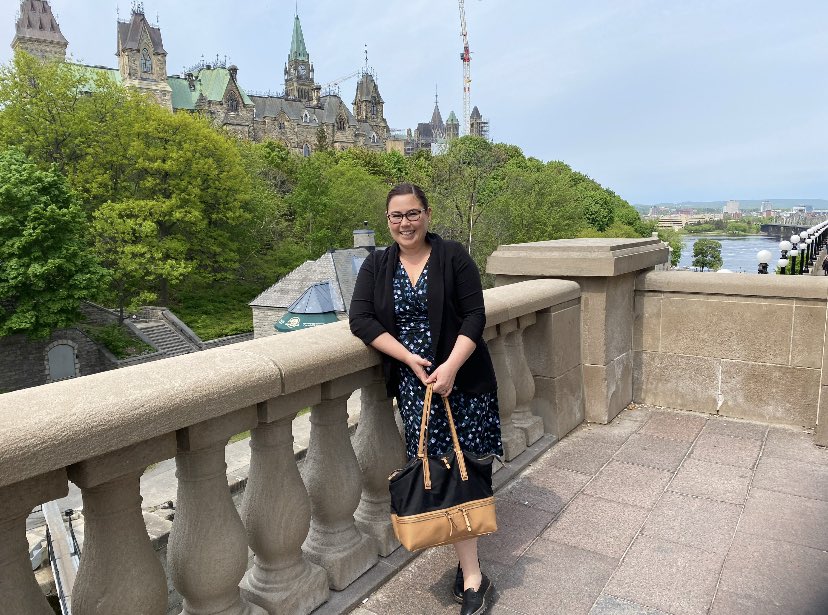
<point>23,361</point>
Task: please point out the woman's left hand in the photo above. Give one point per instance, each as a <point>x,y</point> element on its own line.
<point>443,379</point>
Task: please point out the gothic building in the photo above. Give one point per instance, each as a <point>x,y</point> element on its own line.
<point>303,117</point>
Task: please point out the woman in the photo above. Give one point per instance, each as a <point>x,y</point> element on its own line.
<point>420,303</point>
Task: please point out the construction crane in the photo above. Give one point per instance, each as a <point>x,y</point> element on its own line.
<point>466,58</point>
<point>334,85</point>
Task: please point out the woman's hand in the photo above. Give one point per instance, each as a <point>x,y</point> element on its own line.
<point>443,379</point>
<point>417,364</point>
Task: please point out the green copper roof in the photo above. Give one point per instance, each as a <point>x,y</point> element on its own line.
<point>298,51</point>
<point>92,73</point>
<point>211,82</point>
<point>452,119</point>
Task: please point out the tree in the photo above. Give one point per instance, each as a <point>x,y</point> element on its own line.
<point>674,240</point>
<point>45,266</point>
<point>707,253</point>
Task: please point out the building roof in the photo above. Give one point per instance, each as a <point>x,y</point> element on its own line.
<point>211,83</point>
<point>37,21</point>
<point>452,119</point>
<point>315,300</point>
<point>330,106</point>
<point>475,114</point>
<point>298,51</point>
<point>437,119</point>
<point>129,33</point>
<point>339,268</point>
<point>367,89</point>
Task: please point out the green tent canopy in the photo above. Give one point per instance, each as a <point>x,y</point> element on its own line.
<point>313,308</point>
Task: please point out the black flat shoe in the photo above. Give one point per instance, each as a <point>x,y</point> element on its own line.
<point>457,590</point>
<point>476,602</point>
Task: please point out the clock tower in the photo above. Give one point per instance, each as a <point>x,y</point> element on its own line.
<point>299,82</point>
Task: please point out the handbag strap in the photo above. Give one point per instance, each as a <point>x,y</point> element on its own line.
<point>422,446</point>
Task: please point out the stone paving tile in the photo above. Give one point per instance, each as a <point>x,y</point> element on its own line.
<point>768,577</point>
<point>653,451</point>
<point>674,578</point>
<point>554,579</point>
<point>674,425</point>
<point>635,413</point>
<point>788,443</point>
<point>610,605</point>
<point>497,609</point>
<point>781,516</point>
<point>737,429</point>
<point>617,431</point>
<point>725,449</point>
<point>596,524</point>
<point>790,476</point>
<point>712,480</point>
<point>545,487</point>
<point>695,522</point>
<point>583,455</point>
<point>517,526</point>
<point>628,483</point>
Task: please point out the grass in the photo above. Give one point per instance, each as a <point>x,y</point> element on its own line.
<point>117,340</point>
<point>216,310</point>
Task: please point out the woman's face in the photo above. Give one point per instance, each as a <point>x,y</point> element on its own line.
<point>408,233</point>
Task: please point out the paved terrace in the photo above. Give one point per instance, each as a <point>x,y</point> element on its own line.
<point>659,512</point>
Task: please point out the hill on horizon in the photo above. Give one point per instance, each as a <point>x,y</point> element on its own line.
<point>744,203</point>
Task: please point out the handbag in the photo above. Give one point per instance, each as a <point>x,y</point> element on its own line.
<point>441,500</point>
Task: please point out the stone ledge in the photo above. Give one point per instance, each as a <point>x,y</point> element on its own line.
<point>783,286</point>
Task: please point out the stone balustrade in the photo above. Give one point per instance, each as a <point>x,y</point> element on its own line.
<point>311,530</point>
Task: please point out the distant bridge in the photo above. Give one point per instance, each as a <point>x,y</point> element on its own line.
<point>783,231</point>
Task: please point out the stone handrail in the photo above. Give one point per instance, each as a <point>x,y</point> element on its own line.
<point>309,533</point>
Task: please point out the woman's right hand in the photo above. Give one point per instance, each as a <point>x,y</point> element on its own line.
<point>417,364</point>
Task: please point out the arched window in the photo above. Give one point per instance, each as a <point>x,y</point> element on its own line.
<point>306,150</point>
<point>281,125</point>
<point>306,117</point>
<point>374,138</point>
<point>374,106</point>
<point>60,359</point>
<point>340,123</point>
<point>232,103</point>
<point>146,61</point>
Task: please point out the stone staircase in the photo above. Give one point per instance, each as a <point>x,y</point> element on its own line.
<point>166,338</point>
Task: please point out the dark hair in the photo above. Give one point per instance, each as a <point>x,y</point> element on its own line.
<point>400,189</point>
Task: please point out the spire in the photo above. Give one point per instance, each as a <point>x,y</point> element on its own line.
<point>436,117</point>
<point>37,31</point>
<point>298,51</point>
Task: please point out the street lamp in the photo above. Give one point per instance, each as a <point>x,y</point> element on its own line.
<point>764,257</point>
<point>809,261</point>
<point>802,247</point>
<point>785,247</point>
<point>794,253</point>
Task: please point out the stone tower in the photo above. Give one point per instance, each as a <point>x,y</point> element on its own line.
<point>368,104</point>
<point>478,125</point>
<point>437,126</point>
<point>141,57</point>
<point>37,31</point>
<point>452,126</point>
<point>299,82</point>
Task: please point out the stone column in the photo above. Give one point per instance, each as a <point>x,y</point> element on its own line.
<point>334,482</point>
<point>207,549</point>
<point>20,592</point>
<point>276,513</point>
<point>379,450</point>
<point>605,269</point>
<point>530,425</point>
<point>514,442</point>
<point>118,565</point>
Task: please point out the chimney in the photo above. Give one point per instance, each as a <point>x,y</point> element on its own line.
<point>234,71</point>
<point>364,237</point>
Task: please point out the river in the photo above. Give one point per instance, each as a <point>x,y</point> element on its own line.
<point>738,253</point>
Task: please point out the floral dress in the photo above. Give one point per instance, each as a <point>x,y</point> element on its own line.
<point>476,417</point>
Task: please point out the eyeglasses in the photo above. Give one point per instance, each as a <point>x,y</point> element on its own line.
<point>411,215</point>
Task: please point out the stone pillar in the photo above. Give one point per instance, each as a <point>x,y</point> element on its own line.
<point>379,450</point>
<point>530,425</point>
<point>20,592</point>
<point>207,549</point>
<point>118,565</point>
<point>605,269</point>
<point>276,513</point>
<point>334,482</point>
<point>514,442</point>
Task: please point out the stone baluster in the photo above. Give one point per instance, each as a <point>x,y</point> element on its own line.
<point>207,549</point>
<point>379,450</point>
<point>514,442</point>
<point>530,425</point>
<point>333,479</point>
<point>19,590</point>
<point>276,512</point>
<point>118,564</point>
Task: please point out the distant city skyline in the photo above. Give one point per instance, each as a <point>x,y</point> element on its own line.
<point>700,101</point>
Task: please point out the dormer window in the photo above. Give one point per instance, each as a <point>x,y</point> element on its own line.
<point>306,150</point>
<point>146,61</point>
<point>281,125</point>
<point>340,123</point>
<point>306,117</point>
<point>232,103</point>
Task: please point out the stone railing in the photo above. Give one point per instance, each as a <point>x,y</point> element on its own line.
<point>748,346</point>
<point>309,532</point>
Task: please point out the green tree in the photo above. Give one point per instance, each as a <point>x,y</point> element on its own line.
<point>707,254</point>
<point>45,266</point>
<point>676,243</point>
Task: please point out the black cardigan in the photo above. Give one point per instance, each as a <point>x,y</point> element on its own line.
<point>455,306</point>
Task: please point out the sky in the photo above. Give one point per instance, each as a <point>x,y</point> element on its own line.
<point>658,100</point>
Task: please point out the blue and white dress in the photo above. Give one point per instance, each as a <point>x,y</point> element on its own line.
<point>476,417</point>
